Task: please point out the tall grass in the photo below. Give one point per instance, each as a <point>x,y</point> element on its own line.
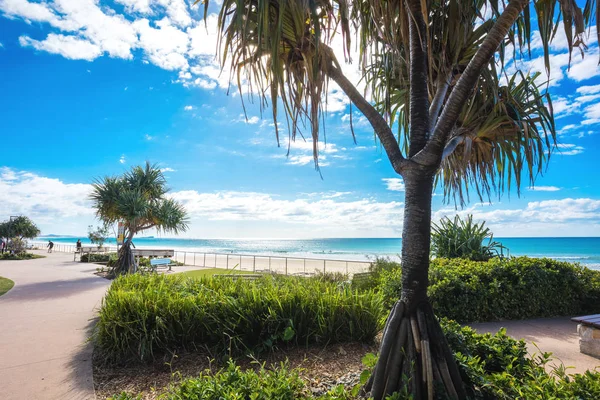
<point>144,315</point>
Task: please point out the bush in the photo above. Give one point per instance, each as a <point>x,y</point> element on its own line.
<point>99,258</point>
<point>145,314</point>
<point>493,367</point>
<point>19,256</point>
<point>464,239</point>
<point>503,289</point>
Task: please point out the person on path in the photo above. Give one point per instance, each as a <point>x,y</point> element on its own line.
<point>78,245</point>
<point>50,246</point>
<point>2,246</point>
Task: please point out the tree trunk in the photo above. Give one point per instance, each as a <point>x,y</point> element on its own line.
<point>414,356</point>
<point>126,262</point>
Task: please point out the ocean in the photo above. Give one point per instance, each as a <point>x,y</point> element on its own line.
<point>583,250</point>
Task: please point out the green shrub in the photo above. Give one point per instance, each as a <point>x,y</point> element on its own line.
<point>99,258</point>
<point>464,239</point>
<point>372,279</point>
<point>493,367</point>
<point>145,314</point>
<point>20,256</point>
<point>503,289</point>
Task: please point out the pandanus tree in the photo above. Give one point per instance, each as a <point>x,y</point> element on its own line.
<point>442,103</point>
<point>138,200</point>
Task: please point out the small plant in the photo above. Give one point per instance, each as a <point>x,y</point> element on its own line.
<point>99,235</point>
<point>460,238</point>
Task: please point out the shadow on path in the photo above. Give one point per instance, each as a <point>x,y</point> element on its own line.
<point>80,368</point>
<point>53,289</point>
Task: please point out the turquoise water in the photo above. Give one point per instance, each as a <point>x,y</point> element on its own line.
<point>583,250</point>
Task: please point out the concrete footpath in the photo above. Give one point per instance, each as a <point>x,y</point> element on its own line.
<point>45,320</point>
<point>556,335</point>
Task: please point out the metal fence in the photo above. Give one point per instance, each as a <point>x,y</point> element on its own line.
<point>246,262</point>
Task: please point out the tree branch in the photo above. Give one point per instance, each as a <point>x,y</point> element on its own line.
<point>432,153</point>
<point>442,85</point>
<point>380,126</point>
<point>419,97</point>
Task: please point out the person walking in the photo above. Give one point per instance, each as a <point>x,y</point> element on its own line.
<point>2,246</point>
<point>50,246</point>
<point>78,245</point>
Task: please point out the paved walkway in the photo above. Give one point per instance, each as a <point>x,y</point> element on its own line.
<point>44,323</point>
<point>556,335</point>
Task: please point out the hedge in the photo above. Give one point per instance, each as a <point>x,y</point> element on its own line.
<point>145,314</point>
<point>499,289</point>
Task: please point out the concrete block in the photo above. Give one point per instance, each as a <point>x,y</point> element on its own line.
<point>589,340</point>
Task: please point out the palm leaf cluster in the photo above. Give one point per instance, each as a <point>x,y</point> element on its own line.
<point>458,238</point>
<point>280,50</point>
<point>138,199</point>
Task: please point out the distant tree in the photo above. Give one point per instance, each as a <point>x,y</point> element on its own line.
<point>21,228</point>
<point>17,230</point>
<point>138,199</point>
<point>99,235</point>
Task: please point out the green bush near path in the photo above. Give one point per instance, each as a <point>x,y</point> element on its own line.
<point>5,285</point>
<point>498,289</point>
<point>21,256</point>
<point>142,315</point>
<point>494,367</point>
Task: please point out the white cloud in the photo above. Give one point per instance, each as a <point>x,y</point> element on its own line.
<point>569,149</point>
<point>249,206</point>
<point>165,46</point>
<point>148,137</point>
<point>167,169</point>
<point>588,89</point>
<point>43,199</point>
<point>1,45</point>
<point>188,108</point>
<point>545,188</point>
<point>69,47</point>
<point>559,217</point>
<point>394,184</point>
<point>122,160</point>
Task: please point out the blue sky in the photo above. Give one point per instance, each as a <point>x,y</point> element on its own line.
<point>91,88</point>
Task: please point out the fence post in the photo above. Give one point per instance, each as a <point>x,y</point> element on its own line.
<point>305,266</point>
<point>269,264</point>
<point>204,263</point>
<point>227,265</point>
<point>184,255</point>
<point>215,260</point>
<point>286,266</point>
<point>254,264</point>
<point>346,267</point>
<point>324,261</point>
<point>194,259</point>
<point>240,262</point>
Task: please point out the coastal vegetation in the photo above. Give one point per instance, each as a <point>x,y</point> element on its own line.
<point>145,315</point>
<point>498,289</point>
<point>493,367</point>
<point>458,238</point>
<point>462,119</point>
<point>15,232</point>
<point>5,285</point>
<point>138,200</point>
<point>98,235</point>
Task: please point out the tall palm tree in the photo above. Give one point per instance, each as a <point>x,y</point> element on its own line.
<point>138,200</point>
<point>437,72</point>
